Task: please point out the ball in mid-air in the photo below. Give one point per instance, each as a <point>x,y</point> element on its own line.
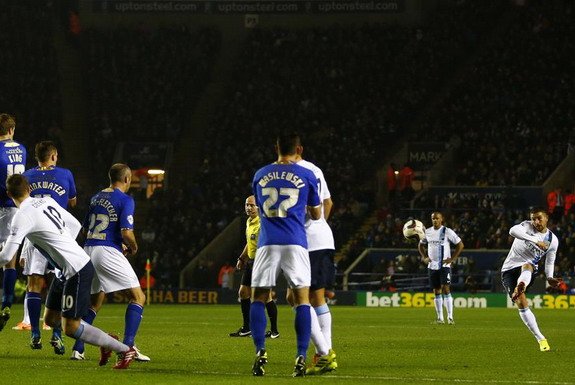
<point>413,230</point>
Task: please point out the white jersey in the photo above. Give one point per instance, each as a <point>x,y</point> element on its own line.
<point>524,249</point>
<point>438,246</point>
<point>318,232</point>
<point>51,229</point>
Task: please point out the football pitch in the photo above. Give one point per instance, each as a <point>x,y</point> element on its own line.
<point>190,345</point>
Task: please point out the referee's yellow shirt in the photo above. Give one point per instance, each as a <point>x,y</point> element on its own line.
<point>252,234</point>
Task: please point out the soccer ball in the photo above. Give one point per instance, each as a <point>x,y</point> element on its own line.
<point>413,230</point>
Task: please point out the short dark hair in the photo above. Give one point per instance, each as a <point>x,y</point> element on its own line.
<point>118,172</point>
<point>287,143</point>
<point>17,186</point>
<point>538,209</point>
<point>6,123</point>
<point>44,149</point>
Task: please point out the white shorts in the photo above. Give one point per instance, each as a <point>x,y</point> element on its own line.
<point>113,272</point>
<point>6,215</point>
<point>293,260</point>
<point>36,263</point>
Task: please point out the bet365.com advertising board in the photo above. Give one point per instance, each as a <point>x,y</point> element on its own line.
<point>462,300</point>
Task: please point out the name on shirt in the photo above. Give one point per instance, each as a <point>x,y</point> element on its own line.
<point>284,175</point>
<point>38,203</point>
<point>113,216</point>
<point>16,158</point>
<point>48,186</point>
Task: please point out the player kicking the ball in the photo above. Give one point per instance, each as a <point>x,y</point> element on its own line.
<point>533,241</point>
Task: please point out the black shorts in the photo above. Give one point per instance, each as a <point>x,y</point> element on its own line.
<point>247,273</point>
<point>54,297</point>
<point>74,298</point>
<point>322,269</point>
<point>438,278</point>
<point>509,280</point>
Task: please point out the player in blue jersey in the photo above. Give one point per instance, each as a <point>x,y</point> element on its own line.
<point>284,192</point>
<point>46,180</point>
<point>12,161</point>
<point>53,230</point>
<point>109,230</point>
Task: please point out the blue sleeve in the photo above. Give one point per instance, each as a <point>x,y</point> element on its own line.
<point>72,186</point>
<point>127,215</point>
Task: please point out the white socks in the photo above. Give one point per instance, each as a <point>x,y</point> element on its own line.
<point>529,320</point>
<point>317,336</point>
<point>439,306</point>
<point>324,318</point>
<point>26,319</point>
<point>525,277</point>
<point>448,302</point>
<point>94,336</point>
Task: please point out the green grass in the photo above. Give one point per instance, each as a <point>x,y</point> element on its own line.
<point>190,345</point>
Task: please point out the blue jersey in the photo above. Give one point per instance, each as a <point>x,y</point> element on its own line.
<point>54,182</point>
<point>282,193</point>
<point>110,212</point>
<point>12,161</point>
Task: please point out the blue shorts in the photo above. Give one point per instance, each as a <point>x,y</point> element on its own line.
<point>322,269</point>
<point>74,300</point>
<point>438,278</point>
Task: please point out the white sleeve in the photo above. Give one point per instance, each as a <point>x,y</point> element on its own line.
<point>550,258</point>
<point>72,224</point>
<point>19,228</point>
<point>325,194</point>
<point>520,232</point>
<point>452,236</point>
<point>8,250</point>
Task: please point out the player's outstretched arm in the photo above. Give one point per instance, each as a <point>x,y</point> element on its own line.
<point>520,232</point>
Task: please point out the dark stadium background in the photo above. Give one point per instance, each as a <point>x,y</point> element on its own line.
<point>471,102</point>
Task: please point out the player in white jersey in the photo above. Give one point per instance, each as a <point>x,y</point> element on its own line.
<point>435,249</point>
<point>321,247</point>
<point>533,241</point>
<point>53,230</point>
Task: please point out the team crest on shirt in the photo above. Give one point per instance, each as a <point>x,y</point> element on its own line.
<point>252,237</point>
<point>130,219</point>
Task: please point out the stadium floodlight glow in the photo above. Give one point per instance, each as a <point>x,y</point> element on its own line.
<point>153,171</point>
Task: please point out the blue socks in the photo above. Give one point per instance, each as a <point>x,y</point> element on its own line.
<point>8,287</point>
<point>302,328</point>
<point>132,319</point>
<point>34,308</point>
<point>89,319</point>
<point>258,323</point>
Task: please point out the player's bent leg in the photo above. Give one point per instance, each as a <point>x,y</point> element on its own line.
<point>96,302</point>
